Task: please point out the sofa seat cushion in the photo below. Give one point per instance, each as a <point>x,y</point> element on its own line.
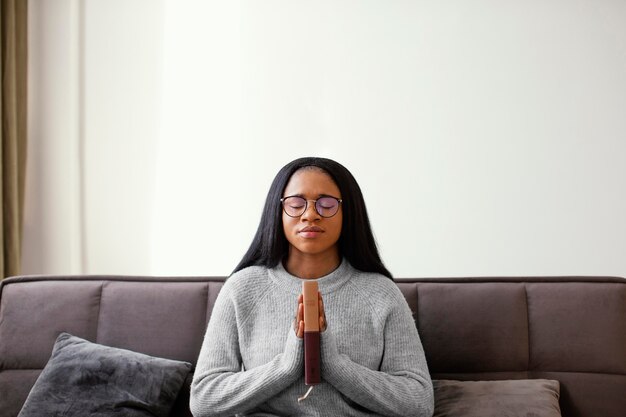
<point>84,378</point>
<point>510,398</point>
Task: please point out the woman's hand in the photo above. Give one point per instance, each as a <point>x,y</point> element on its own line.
<point>299,322</point>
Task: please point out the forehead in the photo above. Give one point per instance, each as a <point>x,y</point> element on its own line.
<point>311,183</point>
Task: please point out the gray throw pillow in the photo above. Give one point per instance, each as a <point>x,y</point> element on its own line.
<point>511,398</point>
<point>87,379</point>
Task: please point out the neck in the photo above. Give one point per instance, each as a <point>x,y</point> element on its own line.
<point>312,266</point>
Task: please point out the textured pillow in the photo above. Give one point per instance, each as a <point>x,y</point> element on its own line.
<point>512,398</point>
<point>86,379</point>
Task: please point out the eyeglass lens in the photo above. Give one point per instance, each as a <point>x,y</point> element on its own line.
<point>325,206</point>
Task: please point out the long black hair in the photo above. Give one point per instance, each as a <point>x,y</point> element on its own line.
<point>356,242</point>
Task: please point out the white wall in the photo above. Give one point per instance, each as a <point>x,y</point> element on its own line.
<point>122,78</point>
<point>488,138</point>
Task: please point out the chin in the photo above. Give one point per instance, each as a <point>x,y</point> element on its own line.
<point>314,248</point>
<point>311,250</point>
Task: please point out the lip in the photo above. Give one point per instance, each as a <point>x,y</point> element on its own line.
<point>310,232</point>
<point>311,229</point>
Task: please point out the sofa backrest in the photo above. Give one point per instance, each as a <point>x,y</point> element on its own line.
<point>569,329</point>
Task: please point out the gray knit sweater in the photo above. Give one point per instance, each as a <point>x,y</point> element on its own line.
<point>251,362</point>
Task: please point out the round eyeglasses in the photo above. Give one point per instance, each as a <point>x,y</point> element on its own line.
<point>295,206</point>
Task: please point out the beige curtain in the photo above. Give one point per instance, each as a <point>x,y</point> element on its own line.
<point>13,22</point>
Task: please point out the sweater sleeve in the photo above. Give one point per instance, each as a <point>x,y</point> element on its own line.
<point>401,387</point>
<point>220,387</point>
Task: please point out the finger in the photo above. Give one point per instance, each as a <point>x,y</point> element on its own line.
<point>322,312</point>
<point>300,332</point>
<point>300,315</point>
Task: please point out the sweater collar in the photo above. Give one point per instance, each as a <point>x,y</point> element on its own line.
<point>327,283</point>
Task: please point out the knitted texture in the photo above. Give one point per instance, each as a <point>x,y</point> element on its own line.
<point>251,362</point>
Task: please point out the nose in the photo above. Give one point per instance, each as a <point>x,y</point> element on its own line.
<point>310,213</point>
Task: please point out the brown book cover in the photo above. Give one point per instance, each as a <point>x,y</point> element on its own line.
<point>311,333</point>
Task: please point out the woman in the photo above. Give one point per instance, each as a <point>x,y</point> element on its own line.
<point>314,226</point>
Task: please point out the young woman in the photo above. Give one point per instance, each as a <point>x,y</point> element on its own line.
<point>314,227</point>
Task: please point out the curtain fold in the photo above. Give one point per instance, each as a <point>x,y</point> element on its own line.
<point>13,73</point>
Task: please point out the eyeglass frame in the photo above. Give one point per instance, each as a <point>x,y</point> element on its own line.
<point>306,205</point>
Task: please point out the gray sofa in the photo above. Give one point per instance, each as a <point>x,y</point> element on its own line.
<point>570,329</point>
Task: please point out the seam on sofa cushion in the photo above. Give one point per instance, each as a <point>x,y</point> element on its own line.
<point>99,310</point>
<point>528,345</point>
<point>207,314</point>
<point>417,307</point>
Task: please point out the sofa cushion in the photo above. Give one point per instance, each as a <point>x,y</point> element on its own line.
<point>512,398</point>
<point>83,378</point>
<point>484,329</point>
<point>585,331</point>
